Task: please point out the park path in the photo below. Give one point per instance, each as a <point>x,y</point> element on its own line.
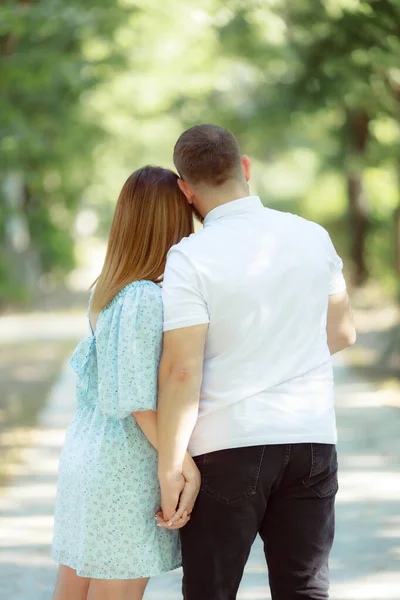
<point>365,562</point>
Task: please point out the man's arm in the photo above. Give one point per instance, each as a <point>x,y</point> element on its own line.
<point>190,480</point>
<point>180,377</point>
<point>340,326</point>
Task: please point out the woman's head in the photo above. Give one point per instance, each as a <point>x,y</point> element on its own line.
<point>151,215</point>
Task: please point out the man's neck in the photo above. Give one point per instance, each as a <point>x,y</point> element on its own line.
<point>213,201</point>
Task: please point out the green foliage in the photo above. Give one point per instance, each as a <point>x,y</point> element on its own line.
<point>93,90</point>
<point>10,291</point>
<point>51,53</point>
<point>322,76</point>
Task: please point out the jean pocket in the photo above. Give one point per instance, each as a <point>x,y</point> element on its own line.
<point>322,480</point>
<point>231,475</point>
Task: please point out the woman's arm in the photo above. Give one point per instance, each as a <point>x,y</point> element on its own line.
<point>147,421</point>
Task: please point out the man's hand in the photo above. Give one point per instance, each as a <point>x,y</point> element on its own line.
<point>182,510</point>
<point>192,485</point>
<point>186,504</point>
<point>188,498</point>
<point>176,525</point>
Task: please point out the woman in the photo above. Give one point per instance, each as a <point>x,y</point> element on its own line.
<point>106,538</point>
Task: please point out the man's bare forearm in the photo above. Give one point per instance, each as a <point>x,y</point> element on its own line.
<point>179,383</point>
<point>178,404</point>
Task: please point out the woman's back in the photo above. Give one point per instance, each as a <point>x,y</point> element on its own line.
<point>108,490</point>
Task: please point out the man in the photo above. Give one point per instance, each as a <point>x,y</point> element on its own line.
<point>255,304</point>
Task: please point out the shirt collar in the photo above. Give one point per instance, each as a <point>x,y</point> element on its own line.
<point>247,204</point>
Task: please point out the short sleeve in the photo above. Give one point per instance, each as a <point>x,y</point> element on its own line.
<point>337,281</point>
<point>184,304</point>
<point>128,377</point>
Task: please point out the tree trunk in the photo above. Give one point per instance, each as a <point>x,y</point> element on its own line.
<point>396,219</point>
<point>357,127</point>
<point>359,226</point>
<point>394,87</point>
<point>22,255</point>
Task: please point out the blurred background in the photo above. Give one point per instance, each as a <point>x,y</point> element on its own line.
<point>90,91</point>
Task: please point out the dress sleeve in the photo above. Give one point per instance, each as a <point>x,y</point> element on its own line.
<point>129,380</point>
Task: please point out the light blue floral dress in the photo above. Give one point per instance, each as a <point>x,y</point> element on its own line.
<point>108,490</point>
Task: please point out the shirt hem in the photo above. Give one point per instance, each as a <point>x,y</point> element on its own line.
<point>263,441</point>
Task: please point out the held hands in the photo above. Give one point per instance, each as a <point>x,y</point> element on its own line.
<point>178,495</point>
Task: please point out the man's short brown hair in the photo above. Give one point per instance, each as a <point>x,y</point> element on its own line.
<point>207,154</point>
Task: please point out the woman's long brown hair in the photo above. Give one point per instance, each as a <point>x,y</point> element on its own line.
<point>151,215</point>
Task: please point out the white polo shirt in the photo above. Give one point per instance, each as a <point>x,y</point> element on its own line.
<point>261,279</point>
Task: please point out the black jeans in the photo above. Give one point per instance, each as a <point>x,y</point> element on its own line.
<point>286,493</point>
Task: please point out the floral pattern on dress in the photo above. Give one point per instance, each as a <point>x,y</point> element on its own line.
<point>108,491</point>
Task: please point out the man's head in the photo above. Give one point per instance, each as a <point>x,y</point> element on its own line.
<point>212,170</point>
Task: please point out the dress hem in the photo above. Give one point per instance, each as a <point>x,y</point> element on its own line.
<point>84,573</point>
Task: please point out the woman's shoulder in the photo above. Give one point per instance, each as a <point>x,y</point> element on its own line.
<point>142,289</point>
<point>139,302</point>
<point>139,289</point>
<point>136,294</point>
<point>141,284</point>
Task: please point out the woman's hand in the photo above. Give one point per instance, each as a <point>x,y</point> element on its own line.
<point>171,486</point>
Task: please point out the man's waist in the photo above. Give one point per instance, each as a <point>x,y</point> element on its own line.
<point>299,392</point>
<point>266,419</point>
<point>205,446</point>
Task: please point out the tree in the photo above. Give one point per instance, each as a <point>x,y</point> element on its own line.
<point>348,63</point>
<point>293,64</point>
<point>51,53</point>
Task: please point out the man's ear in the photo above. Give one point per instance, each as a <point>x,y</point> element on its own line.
<point>246,166</point>
<point>186,189</point>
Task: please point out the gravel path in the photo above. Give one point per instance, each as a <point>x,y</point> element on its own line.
<point>365,563</point>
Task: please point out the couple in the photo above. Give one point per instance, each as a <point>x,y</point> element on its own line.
<point>235,399</point>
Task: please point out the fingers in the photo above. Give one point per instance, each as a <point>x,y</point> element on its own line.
<point>177,502</point>
<point>181,522</point>
<point>177,516</point>
<point>167,523</point>
<point>169,506</point>
<point>170,493</point>
<point>168,512</point>
<point>186,504</point>
<point>188,497</point>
